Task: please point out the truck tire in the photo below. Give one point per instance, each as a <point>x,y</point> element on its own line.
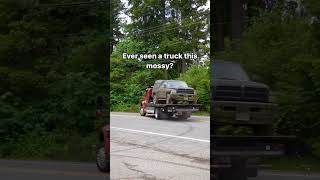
<point>101,160</point>
<point>142,113</point>
<point>158,114</point>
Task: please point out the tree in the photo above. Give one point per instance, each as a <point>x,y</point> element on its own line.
<point>170,26</point>
<point>52,67</point>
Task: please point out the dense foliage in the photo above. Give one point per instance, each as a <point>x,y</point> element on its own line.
<point>52,68</point>
<point>283,51</point>
<point>159,27</point>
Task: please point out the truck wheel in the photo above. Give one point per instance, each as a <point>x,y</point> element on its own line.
<point>101,160</point>
<point>157,113</point>
<point>142,113</point>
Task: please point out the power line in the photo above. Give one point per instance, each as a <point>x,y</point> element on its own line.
<point>158,30</point>
<point>170,24</point>
<point>177,25</point>
<point>164,30</point>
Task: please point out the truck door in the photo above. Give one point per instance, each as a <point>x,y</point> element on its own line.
<point>162,93</point>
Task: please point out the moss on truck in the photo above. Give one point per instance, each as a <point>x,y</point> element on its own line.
<point>173,92</point>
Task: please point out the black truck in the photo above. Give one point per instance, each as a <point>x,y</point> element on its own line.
<point>239,102</point>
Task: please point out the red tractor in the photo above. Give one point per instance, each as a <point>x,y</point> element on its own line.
<point>103,150</point>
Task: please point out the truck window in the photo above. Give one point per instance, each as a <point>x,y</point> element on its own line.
<point>226,70</point>
<point>177,84</point>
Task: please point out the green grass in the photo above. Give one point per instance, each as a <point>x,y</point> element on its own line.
<point>295,164</point>
<point>125,108</point>
<point>201,113</point>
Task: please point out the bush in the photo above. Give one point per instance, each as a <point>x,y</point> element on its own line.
<point>199,78</point>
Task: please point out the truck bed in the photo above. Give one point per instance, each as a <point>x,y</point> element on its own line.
<point>169,108</point>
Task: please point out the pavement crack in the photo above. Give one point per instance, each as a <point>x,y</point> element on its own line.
<point>145,175</point>
<point>192,158</point>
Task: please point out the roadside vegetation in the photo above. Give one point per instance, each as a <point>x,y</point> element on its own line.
<point>52,68</point>
<point>283,51</point>
<point>304,164</point>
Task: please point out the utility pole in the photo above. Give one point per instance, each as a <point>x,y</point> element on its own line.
<point>237,21</point>
<point>163,19</point>
<point>219,11</point>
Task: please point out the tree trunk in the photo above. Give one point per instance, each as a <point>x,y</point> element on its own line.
<point>237,15</point>
<point>219,24</point>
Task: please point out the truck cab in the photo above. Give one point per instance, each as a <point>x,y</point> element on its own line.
<point>237,101</point>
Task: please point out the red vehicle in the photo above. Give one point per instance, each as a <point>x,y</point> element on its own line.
<point>146,99</point>
<point>103,150</point>
<point>164,111</point>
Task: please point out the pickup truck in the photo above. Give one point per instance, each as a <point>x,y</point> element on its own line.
<point>168,99</point>
<point>239,102</point>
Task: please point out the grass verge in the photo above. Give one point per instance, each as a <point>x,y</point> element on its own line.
<point>295,164</point>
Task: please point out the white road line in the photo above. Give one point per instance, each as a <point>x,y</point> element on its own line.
<point>137,115</point>
<point>159,134</point>
<point>125,115</point>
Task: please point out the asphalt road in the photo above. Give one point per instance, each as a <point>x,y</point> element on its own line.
<point>43,170</point>
<point>142,148</point>
<point>146,148</point>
